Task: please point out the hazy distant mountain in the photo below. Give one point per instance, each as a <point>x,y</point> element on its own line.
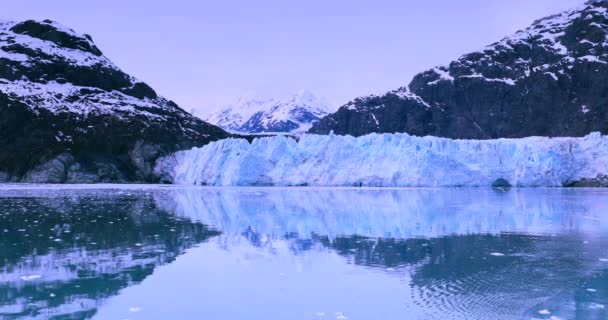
<point>68,114</point>
<point>550,79</point>
<point>295,113</point>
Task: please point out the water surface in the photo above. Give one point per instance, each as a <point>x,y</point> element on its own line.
<point>154,252</point>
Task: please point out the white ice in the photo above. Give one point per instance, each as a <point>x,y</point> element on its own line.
<point>389,160</point>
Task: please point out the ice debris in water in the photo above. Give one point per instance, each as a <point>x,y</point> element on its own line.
<point>30,277</point>
<point>497,254</point>
<point>544,311</point>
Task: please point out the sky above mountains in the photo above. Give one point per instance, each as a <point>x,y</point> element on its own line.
<point>205,54</point>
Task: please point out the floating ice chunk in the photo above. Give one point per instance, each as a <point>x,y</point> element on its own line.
<point>596,306</point>
<point>591,290</point>
<point>544,311</point>
<point>340,316</point>
<point>603,259</point>
<point>497,254</point>
<point>30,277</point>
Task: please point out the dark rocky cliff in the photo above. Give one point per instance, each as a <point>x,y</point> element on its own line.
<point>68,114</point>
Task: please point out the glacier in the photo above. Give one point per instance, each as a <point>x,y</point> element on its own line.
<point>390,160</point>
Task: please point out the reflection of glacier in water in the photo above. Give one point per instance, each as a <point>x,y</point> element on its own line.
<point>151,252</point>
<point>398,213</point>
<point>466,253</point>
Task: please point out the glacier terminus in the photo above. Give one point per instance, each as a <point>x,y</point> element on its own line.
<point>391,160</point>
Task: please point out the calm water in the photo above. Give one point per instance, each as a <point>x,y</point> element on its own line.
<point>205,253</point>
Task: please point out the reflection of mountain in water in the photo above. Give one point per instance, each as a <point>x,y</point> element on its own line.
<point>468,253</point>
<point>66,252</point>
<point>490,276</point>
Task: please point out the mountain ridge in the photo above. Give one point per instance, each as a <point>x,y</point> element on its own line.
<point>549,79</point>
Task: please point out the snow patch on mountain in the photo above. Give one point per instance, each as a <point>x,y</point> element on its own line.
<point>32,45</point>
<point>295,113</point>
<point>390,160</point>
<point>76,56</point>
<point>547,33</point>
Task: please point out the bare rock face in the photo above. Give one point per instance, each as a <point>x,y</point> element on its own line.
<point>550,79</point>
<point>68,114</point>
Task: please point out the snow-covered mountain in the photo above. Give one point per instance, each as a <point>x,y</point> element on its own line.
<point>392,160</point>
<point>549,79</point>
<point>68,114</point>
<point>295,113</point>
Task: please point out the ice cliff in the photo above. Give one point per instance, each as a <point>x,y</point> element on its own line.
<point>391,160</point>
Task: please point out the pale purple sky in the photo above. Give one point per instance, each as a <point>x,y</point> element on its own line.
<point>205,54</point>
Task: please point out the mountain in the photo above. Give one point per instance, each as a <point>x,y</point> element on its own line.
<point>68,114</point>
<point>296,113</point>
<point>550,79</point>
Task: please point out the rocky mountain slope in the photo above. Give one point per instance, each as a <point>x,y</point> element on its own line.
<point>295,113</point>
<point>550,79</point>
<point>68,114</point>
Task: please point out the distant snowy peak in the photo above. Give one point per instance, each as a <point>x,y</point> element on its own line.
<point>295,113</point>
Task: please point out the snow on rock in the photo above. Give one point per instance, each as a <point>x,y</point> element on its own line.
<point>295,114</point>
<point>68,114</point>
<point>508,89</point>
<point>390,160</point>
<point>50,66</point>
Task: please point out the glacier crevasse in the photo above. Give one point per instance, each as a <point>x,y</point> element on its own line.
<point>389,160</point>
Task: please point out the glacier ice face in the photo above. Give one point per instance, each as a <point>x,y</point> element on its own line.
<point>389,160</point>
